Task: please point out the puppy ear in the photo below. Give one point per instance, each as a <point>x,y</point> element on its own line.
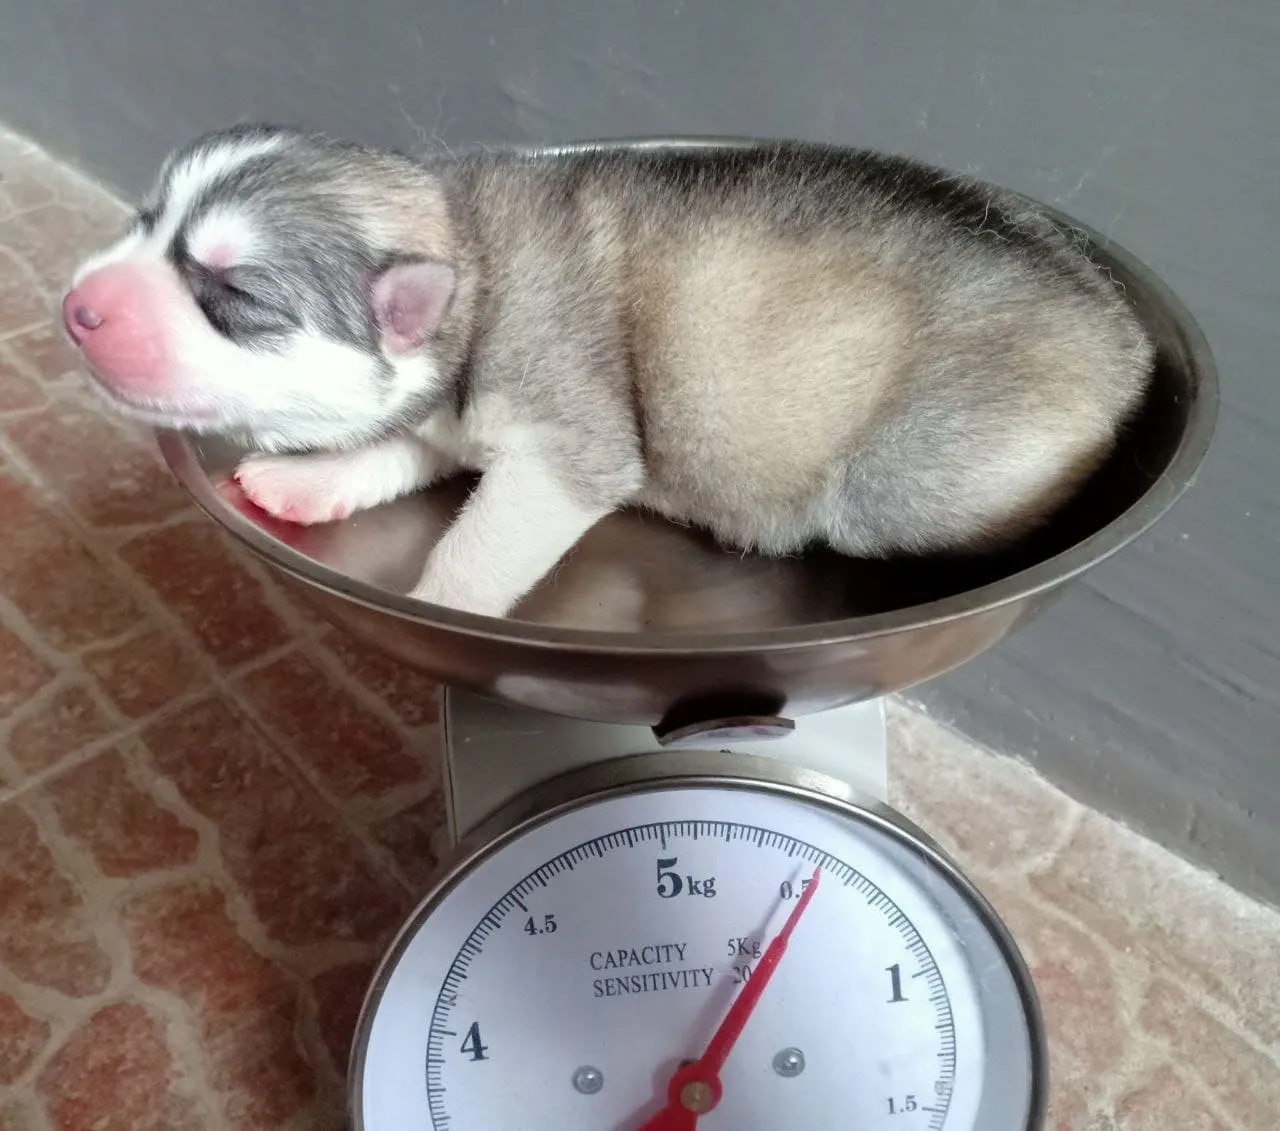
<point>410,300</point>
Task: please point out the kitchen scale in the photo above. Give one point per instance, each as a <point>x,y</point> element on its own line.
<point>677,899</point>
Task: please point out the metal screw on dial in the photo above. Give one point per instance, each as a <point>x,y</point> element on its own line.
<point>789,1062</point>
<point>588,1080</point>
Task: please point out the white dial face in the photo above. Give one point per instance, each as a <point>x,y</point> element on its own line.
<point>562,980</point>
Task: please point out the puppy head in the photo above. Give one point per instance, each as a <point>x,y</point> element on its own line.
<point>277,284</point>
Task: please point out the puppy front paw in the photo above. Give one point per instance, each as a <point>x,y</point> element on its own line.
<point>305,489</point>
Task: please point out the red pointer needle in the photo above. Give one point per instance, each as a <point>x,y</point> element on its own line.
<point>695,1089</point>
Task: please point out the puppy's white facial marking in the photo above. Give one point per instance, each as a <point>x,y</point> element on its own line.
<point>222,239</point>
<point>187,177</point>
<point>329,486</point>
<point>516,526</point>
<point>133,243</point>
<point>184,184</point>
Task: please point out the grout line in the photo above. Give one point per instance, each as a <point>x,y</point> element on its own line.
<point>9,333</point>
<point>63,1014</point>
<point>24,780</point>
<point>32,150</point>
<point>34,1116</point>
<point>331,665</point>
<point>376,855</point>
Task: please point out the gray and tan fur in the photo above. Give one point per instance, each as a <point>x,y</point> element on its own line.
<point>785,345</point>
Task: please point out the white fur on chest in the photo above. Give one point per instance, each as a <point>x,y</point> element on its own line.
<point>471,441</point>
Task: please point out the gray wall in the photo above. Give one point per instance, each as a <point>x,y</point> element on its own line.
<point>1153,689</point>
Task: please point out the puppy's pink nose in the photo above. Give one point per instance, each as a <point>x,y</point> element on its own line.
<point>79,317</point>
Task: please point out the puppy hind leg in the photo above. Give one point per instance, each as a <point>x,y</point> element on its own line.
<point>965,493</point>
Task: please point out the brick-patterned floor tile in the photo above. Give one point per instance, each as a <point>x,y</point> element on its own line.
<point>114,1074</point>
<point>1079,994</point>
<point>27,180</point>
<point>258,1066</point>
<point>1138,896</point>
<point>106,479</point>
<point>411,835</point>
<point>18,391</point>
<point>184,942</point>
<point>412,695</point>
<point>123,828</point>
<point>54,239</point>
<point>22,1039</point>
<point>22,303</point>
<point>1245,1081</point>
<point>339,994</point>
<point>306,877</point>
<point>46,353</point>
<point>22,672</point>
<point>933,768</point>
<point>145,672</point>
<point>195,572</point>
<point>356,752</point>
<point>1090,1038</point>
<point>53,578</point>
<point>1069,1109</point>
<point>46,932</point>
<point>67,721</point>
<point>21,1112</point>
<point>1165,1102</point>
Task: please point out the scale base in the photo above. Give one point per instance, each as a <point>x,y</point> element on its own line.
<point>493,752</point>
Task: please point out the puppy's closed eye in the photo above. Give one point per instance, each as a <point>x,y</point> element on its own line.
<point>236,301</point>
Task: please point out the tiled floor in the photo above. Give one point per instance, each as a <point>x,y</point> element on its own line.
<point>196,873</point>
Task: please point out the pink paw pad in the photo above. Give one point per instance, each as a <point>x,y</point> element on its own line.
<point>290,491</point>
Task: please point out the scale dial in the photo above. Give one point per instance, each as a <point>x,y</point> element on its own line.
<point>592,941</point>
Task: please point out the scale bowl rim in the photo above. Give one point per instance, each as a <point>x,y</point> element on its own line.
<point>179,451</point>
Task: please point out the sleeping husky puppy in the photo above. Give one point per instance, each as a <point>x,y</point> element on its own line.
<point>784,345</point>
